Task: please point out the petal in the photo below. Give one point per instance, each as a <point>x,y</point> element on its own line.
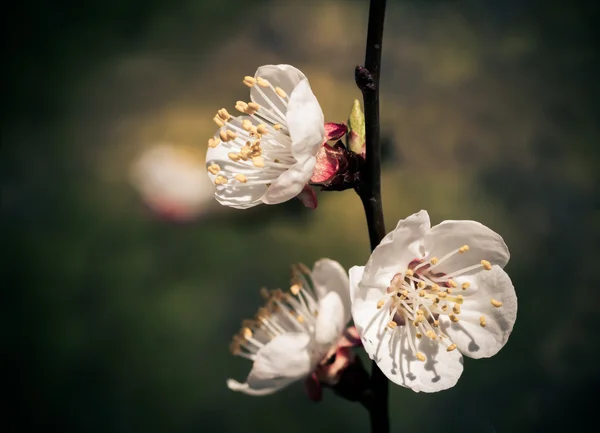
<point>331,321</point>
<point>355,274</point>
<point>305,121</point>
<point>282,361</point>
<point>472,339</point>
<point>396,250</point>
<point>308,197</point>
<point>327,165</point>
<point>329,276</point>
<point>484,244</point>
<point>395,357</point>
<point>313,387</point>
<point>291,182</point>
<point>284,76</point>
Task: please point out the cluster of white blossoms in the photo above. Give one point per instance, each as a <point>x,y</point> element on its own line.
<point>426,297</point>
<point>268,154</point>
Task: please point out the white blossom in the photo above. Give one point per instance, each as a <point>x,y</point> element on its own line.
<point>291,335</point>
<point>268,154</point>
<point>429,295</point>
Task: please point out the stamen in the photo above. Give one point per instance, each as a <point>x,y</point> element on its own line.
<point>380,304</point>
<point>249,81</point>
<point>258,161</point>
<point>453,318</point>
<point>262,82</point>
<point>496,303</point>
<point>421,357</point>
<point>218,121</point>
<point>213,142</point>
<point>214,168</point>
<point>465,285</point>
<point>233,156</point>
<point>392,325</point>
<point>486,265</point>
<point>280,92</point>
<point>241,178</point>
<point>451,347</point>
<point>231,135</point>
<point>482,322</point>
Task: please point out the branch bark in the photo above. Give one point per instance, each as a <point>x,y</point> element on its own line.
<point>369,189</point>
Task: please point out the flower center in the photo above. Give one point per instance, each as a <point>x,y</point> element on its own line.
<point>259,144</point>
<point>283,312</point>
<point>418,296</point>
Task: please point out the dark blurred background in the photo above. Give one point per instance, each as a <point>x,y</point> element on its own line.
<point>118,320</point>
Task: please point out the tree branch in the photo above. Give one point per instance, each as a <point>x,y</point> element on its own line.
<point>369,189</point>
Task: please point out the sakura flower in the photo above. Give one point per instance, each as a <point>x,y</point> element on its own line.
<point>268,154</point>
<point>296,335</point>
<point>172,181</point>
<point>429,295</point>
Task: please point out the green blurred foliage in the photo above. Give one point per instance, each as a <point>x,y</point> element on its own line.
<point>115,320</point>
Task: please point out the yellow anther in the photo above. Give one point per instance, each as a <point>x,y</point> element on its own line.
<point>258,161</point>
<point>262,82</point>
<point>249,81</point>
<point>449,290</point>
<point>295,289</point>
<point>220,180</point>
<point>434,260</point>
<point>482,321</point>
<point>422,293</point>
<point>486,265</point>
<point>246,124</point>
<point>453,318</point>
<point>404,293</point>
<point>445,307</point>
<point>231,135</point>
<point>261,129</point>
<point>224,114</point>
<point>300,319</point>
<point>218,121</point>
<point>436,323</point>
<point>241,106</point>
<point>418,335</point>
<point>432,335</point>
<point>465,247</point>
<point>247,333</point>
<point>277,127</point>
<point>213,142</point>
<point>459,299</point>
<point>409,273</point>
<point>254,106</point>
<point>451,347</point>
<point>421,285</point>
<point>496,303</point>
<point>380,303</point>
<point>456,309</point>
<point>233,156</point>
<point>280,92</point>
<point>421,357</point>
<point>465,285</point>
<point>223,135</point>
<point>214,168</point>
<point>421,312</point>
<point>392,325</point>
<point>420,318</point>
<point>442,294</point>
<point>435,288</point>
<point>452,284</point>
<point>241,178</point>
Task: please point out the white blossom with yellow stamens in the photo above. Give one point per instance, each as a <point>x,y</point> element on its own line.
<point>290,336</point>
<point>268,154</point>
<point>429,295</point>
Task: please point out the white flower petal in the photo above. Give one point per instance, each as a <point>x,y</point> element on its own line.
<point>440,370</point>
<point>472,339</point>
<point>484,244</point>
<point>395,357</point>
<point>355,274</point>
<point>291,182</point>
<point>284,76</point>
<point>331,320</point>
<point>283,360</point>
<point>397,249</point>
<point>305,121</point>
<point>329,276</point>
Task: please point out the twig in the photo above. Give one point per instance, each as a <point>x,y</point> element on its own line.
<point>369,190</point>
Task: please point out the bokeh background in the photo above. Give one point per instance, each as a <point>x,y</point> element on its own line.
<point>118,320</point>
